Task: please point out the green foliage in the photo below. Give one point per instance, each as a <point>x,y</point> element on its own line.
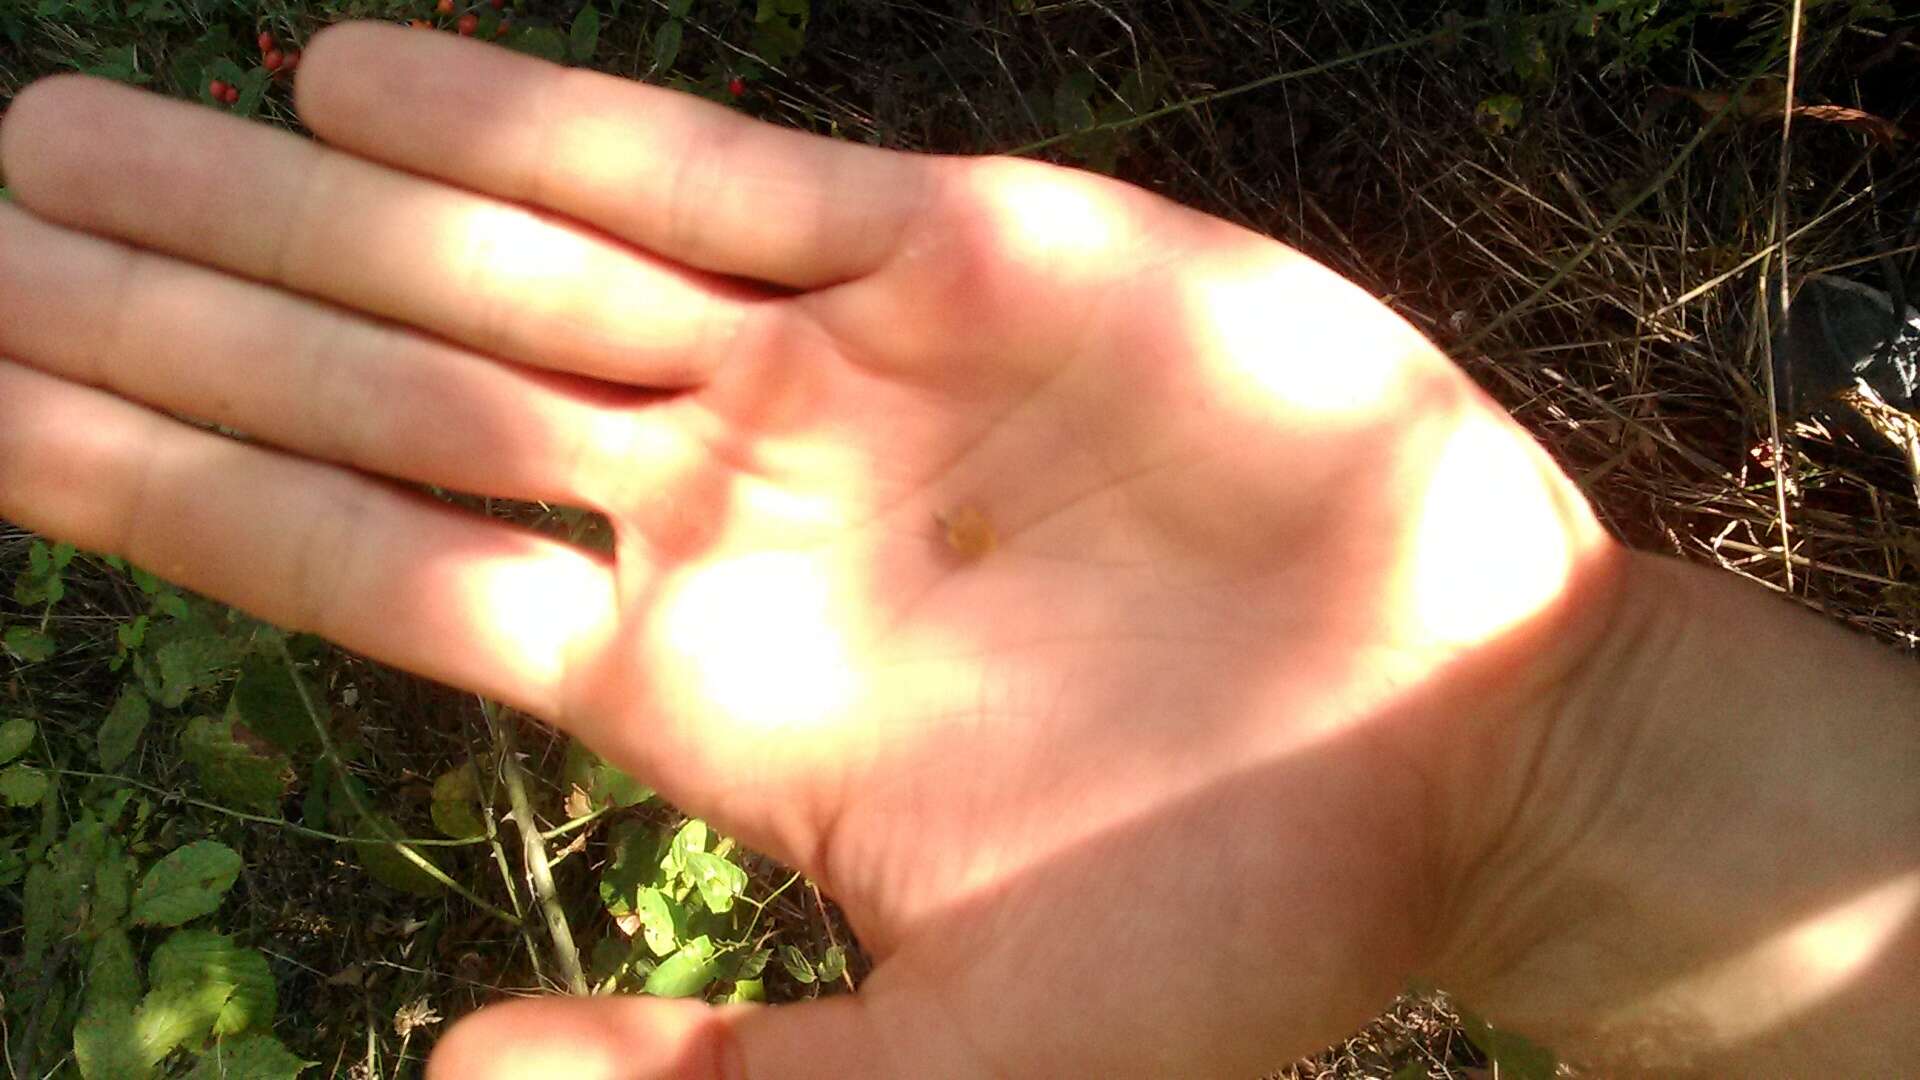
<point>1514,1056</point>
<point>1093,112</point>
<point>28,645</point>
<point>252,1057</point>
<point>122,727</point>
<point>233,766</point>
<point>686,973</point>
<point>23,785</point>
<point>780,30</point>
<point>16,736</point>
<point>603,784</point>
<point>185,885</point>
<point>221,988</point>
<point>585,35</point>
<point>1534,38</point>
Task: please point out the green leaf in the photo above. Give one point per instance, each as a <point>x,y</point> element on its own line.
<point>55,898</point>
<point>692,837</point>
<point>1516,1058</point>
<point>747,990</point>
<point>315,807</point>
<point>542,41</point>
<point>657,924</point>
<point>250,1057</point>
<point>376,853</point>
<point>718,880</point>
<point>131,635</point>
<point>187,884</point>
<point>608,958</point>
<point>23,785</point>
<point>227,986</point>
<point>636,863</point>
<point>268,702</point>
<point>189,659</point>
<point>233,766</point>
<point>113,976</point>
<point>120,731</point>
<point>121,64</point>
<point>666,46</point>
<point>585,36</point>
<point>753,964</point>
<point>456,802</point>
<point>1071,108</point>
<point>602,782</point>
<point>1498,114</point>
<point>172,1015</point>
<point>796,964</point>
<point>107,1046</point>
<point>833,964</point>
<point>112,887</point>
<point>27,644</point>
<point>189,65</point>
<point>679,8</point>
<point>686,972</point>
<point>15,736</point>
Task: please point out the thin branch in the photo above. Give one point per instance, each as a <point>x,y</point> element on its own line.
<point>534,851</point>
<point>1199,100</point>
<point>405,850</point>
<point>1780,462</point>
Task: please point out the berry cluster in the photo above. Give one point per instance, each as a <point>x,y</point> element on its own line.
<point>280,62</point>
<point>468,23</point>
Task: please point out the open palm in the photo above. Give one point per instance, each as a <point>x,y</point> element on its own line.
<point>1108,605</point>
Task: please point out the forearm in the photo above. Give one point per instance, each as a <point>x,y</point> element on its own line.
<point>1715,865</point>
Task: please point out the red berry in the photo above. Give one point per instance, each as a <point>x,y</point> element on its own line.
<point>218,89</point>
<point>421,24</point>
<point>444,7</point>
<point>468,24</point>
<point>273,60</point>
<point>736,86</point>
<point>233,95</point>
<point>266,41</point>
<point>290,61</point>
<point>498,4</point>
<point>501,30</point>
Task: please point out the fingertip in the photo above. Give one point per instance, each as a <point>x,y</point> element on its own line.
<point>322,59</point>
<point>25,117</point>
<point>603,1038</point>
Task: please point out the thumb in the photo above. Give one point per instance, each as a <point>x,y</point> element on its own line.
<point>644,1038</point>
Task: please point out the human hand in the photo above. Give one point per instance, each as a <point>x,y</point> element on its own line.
<point>1174,776</point>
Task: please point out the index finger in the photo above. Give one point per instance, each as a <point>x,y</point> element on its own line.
<point>684,178</point>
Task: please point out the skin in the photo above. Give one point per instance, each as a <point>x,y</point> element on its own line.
<point>1154,644</point>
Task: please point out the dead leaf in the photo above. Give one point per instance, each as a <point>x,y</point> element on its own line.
<point>351,975</point>
<point>579,804</point>
<point>1765,99</point>
<point>1878,128</point>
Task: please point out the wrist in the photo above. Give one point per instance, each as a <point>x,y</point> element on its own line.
<point>1708,855</point>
